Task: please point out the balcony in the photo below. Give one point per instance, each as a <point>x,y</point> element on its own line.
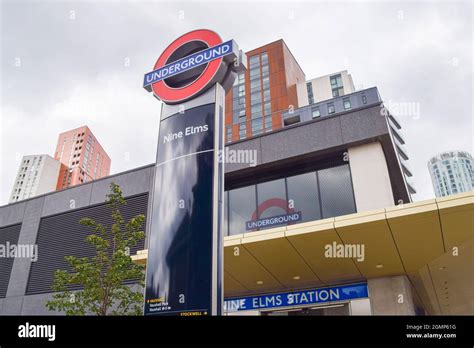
<point>402,152</point>
<point>406,168</point>
<point>410,185</point>
<point>397,136</point>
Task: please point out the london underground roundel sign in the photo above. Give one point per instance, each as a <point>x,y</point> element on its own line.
<point>191,64</point>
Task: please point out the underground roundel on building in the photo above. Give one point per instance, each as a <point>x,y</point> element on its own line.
<point>193,63</point>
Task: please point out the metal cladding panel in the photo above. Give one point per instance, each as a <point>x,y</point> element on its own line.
<point>7,234</point>
<point>61,235</point>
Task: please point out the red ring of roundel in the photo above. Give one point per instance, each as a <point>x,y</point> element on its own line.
<point>168,94</point>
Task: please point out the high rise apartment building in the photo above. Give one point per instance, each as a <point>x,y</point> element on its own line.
<point>452,172</point>
<point>262,93</point>
<point>82,158</point>
<point>37,174</point>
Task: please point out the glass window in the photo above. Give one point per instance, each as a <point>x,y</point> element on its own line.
<point>257,126</point>
<point>267,108</point>
<point>241,78</point>
<point>256,108</point>
<point>337,197</point>
<point>309,88</point>
<point>229,134</point>
<point>242,129</point>
<point>337,92</point>
<point>256,97</point>
<point>255,85</point>
<point>315,112</point>
<point>268,123</point>
<point>347,103</point>
<point>303,194</point>
<point>239,91</point>
<point>336,86</point>
<point>254,74</point>
<point>272,198</point>
<point>266,95</point>
<point>331,108</point>
<point>242,205</point>
<point>336,81</point>
<point>254,62</point>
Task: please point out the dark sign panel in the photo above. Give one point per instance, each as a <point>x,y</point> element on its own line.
<point>179,274</point>
<point>180,255</point>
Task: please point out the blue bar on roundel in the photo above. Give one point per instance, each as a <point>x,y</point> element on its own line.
<point>180,257</point>
<point>188,63</point>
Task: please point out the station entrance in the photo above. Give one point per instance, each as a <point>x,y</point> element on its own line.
<point>337,309</point>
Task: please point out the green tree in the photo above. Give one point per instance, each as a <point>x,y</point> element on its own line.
<point>102,276</point>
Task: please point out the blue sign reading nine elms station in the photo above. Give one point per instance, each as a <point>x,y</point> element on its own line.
<point>188,63</point>
<point>297,298</point>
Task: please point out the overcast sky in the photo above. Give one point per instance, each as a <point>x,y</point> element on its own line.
<point>68,64</point>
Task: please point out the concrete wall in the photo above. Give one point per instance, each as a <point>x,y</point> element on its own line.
<point>302,94</point>
<point>347,82</point>
<point>391,296</point>
<point>360,306</point>
<point>322,88</point>
<point>370,177</point>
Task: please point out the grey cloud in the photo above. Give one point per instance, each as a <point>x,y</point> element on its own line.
<point>404,48</point>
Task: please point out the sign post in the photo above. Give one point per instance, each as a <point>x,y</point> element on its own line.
<point>184,266</point>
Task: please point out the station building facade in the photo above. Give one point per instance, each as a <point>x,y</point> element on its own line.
<point>319,219</point>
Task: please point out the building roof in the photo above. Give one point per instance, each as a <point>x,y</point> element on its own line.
<point>448,155</point>
<point>254,50</point>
